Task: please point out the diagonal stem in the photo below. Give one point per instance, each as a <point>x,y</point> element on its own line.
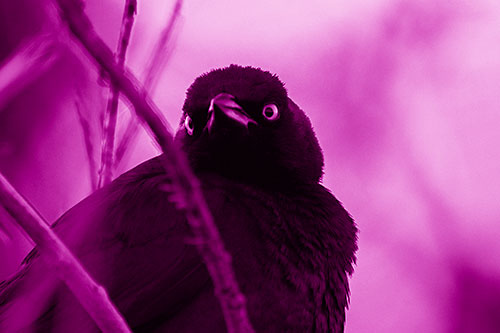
<point>30,61</point>
<point>185,185</point>
<point>106,171</point>
<point>155,67</point>
<point>92,296</point>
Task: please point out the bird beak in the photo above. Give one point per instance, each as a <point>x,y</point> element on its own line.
<point>225,103</point>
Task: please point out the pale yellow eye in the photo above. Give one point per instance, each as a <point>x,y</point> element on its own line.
<point>188,123</point>
<point>270,112</point>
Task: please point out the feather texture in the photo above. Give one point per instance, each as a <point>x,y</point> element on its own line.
<point>293,244</point>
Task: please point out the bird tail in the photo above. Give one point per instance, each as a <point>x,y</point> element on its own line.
<point>26,296</point>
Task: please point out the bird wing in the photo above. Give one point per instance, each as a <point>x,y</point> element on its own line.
<point>131,240</point>
<point>340,258</point>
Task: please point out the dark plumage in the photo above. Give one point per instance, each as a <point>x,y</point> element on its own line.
<point>259,164</point>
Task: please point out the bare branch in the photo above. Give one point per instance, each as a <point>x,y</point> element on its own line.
<point>157,61</point>
<point>156,65</point>
<point>5,234</point>
<point>89,147</point>
<point>184,183</point>
<point>29,61</point>
<point>106,172</point>
<point>92,296</point>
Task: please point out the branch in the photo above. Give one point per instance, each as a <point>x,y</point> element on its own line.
<point>106,172</point>
<point>184,184</point>
<point>157,61</point>
<point>5,233</point>
<point>155,67</point>
<point>30,61</point>
<point>92,296</point>
<point>89,146</point>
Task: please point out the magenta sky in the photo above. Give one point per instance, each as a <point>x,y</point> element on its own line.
<point>404,97</point>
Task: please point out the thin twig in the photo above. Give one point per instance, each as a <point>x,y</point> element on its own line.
<point>157,61</point>
<point>89,146</point>
<point>156,65</point>
<point>92,296</point>
<point>184,184</point>
<point>29,61</point>
<point>5,233</point>
<point>106,171</point>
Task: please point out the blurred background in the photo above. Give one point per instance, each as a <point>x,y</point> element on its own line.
<point>404,96</point>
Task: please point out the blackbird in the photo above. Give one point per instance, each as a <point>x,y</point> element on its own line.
<point>260,165</point>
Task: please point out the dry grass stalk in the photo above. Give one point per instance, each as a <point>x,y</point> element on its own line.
<point>92,296</point>
<point>155,66</point>
<point>87,138</point>
<point>29,61</point>
<point>106,171</point>
<point>185,185</point>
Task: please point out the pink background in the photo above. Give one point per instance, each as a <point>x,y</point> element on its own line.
<point>404,97</point>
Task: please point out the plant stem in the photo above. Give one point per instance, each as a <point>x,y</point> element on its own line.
<point>184,183</point>
<point>30,61</point>
<point>155,67</point>
<point>92,296</point>
<point>106,171</point>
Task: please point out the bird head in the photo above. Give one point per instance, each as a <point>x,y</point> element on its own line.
<point>239,122</point>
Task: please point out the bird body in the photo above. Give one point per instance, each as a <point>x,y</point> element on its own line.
<point>292,243</point>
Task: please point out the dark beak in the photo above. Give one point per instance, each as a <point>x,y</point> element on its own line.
<point>225,103</point>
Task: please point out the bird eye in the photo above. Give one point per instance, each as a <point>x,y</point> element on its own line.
<point>188,123</point>
<point>270,112</point>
